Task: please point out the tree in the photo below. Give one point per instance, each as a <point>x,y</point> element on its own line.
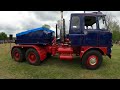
<point>114,27</point>
<point>3,36</point>
<point>46,26</point>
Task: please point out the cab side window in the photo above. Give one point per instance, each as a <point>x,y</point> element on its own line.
<point>90,22</point>
<point>75,24</point>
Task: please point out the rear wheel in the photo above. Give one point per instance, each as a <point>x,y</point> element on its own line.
<point>18,55</point>
<point>33,57</point>
<point>92,60</point>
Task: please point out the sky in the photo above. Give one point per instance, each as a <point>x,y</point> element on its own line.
<point>13,22</point>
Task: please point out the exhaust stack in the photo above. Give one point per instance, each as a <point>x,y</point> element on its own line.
<point>56,31</point>
<point>62,31</point>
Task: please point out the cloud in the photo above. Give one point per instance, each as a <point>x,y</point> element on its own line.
<point>8,29</point>
<point>47,15</point>
<point>18,21</point>
<point>13,22</point>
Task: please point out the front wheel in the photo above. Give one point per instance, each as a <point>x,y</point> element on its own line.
<point>92,60</point>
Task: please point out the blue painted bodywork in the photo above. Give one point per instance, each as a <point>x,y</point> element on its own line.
<point>35,36</point>
<point>90,37</point>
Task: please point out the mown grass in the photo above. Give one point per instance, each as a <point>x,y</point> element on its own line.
<point>53,68</point>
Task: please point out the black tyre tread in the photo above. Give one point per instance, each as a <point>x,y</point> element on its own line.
<point>95,52</point>
<point>38,61</point>
<point>22,55</point>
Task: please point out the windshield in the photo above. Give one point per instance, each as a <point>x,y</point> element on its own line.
<point>102,23</point>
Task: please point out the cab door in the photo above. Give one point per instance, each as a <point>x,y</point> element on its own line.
<point>75,25</point>
<point>75,30</point>
<point>90,30</point>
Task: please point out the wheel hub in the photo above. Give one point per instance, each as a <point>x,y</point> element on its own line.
<point>93,60</point>
<point>17,55</point>
<point>32,57</point>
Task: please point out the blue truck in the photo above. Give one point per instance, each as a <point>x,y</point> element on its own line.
<point>89,38</point>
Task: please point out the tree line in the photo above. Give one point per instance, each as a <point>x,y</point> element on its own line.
<point>3,36</point>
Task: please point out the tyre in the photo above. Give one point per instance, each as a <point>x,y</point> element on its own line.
<point>18,55</point>
<point>92,60</point>
<point>33,57</point>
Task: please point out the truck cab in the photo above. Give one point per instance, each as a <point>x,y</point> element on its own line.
<point>90,29</point>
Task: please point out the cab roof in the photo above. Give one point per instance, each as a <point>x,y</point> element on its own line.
<point>90,14</point>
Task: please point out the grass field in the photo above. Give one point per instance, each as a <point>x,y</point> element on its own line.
<point>53,68</point>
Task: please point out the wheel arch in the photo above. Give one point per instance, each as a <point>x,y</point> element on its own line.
<point>84,50</point>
